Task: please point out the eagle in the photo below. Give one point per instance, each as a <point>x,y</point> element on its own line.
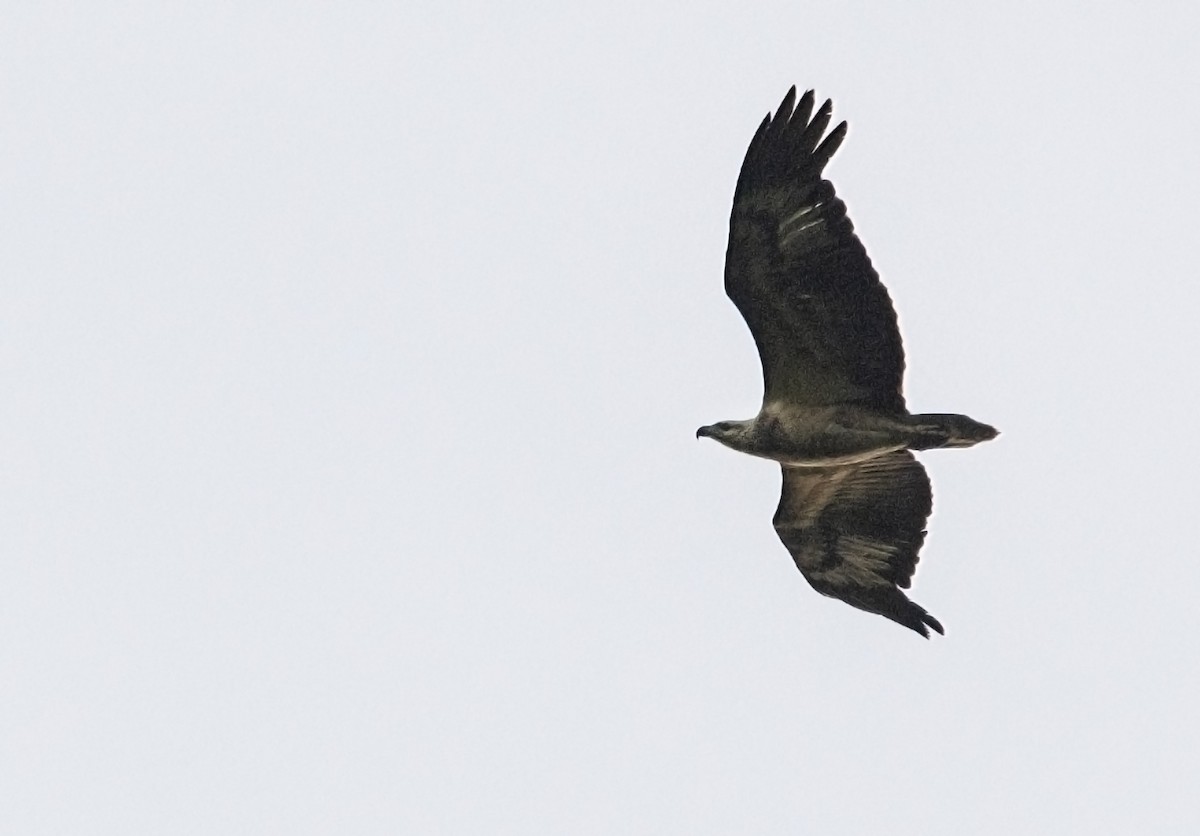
<point>855,500</point>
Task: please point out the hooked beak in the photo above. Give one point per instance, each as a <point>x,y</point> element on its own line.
<point>704,432</point>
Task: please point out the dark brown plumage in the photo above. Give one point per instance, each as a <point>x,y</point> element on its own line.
<point>854,502</point>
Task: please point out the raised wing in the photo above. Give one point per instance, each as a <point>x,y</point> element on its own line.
<point>824,324</point>
<point>855,530</point>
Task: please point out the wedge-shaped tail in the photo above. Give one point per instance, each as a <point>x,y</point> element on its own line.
<point>947,430</point>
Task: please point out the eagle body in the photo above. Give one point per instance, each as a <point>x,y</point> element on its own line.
<point>802,436</point>
<point>854,501</point>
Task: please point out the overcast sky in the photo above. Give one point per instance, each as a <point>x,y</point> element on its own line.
<point>352,356</point>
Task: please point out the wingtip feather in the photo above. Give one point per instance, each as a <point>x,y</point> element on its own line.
<point>816,128</point>
<point>785,107</point>
<point>829,146</point>
<point>804,107</point>
<point>935,624</point>
<point>922,619</point>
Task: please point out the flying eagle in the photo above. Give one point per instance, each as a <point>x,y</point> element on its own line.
<point>855,500</point>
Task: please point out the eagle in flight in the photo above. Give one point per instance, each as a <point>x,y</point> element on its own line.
<point>855,500</point>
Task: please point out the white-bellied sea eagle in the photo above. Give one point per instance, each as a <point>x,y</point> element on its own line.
<point>855,500</point>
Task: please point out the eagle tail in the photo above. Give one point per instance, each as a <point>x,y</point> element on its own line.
<point>936,430</point>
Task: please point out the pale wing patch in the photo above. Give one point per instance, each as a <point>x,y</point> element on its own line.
<point>799,223</point>
<point>864,562</point>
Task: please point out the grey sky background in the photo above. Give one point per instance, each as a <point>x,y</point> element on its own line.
<point>352,356</point>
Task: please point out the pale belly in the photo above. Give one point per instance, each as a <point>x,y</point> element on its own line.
<point>827,436</point>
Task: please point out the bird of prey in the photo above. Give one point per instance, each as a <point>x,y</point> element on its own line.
<point>855,500</point>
